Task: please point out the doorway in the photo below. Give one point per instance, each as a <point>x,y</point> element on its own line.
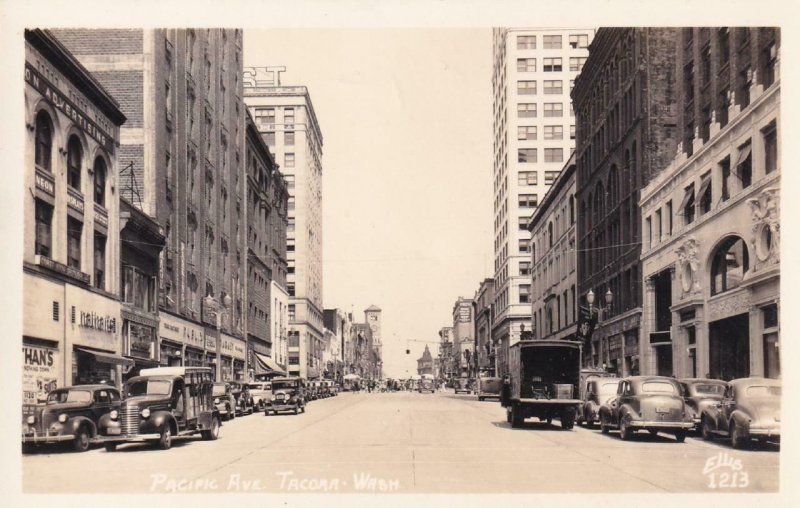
<point>664,360</point>
<point>729,347</point>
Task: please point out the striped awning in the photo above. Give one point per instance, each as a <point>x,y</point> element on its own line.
<point>267,365</point>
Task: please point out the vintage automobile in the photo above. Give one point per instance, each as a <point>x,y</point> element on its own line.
<point>261,392</point>
<point>224,400</point>
<point>652,403</point>
<point>426,384</point>
<point>69,415</point>
<point>462,385</point>
<point>489,388</point>
<point>700,394</point>
<point>244,401</point>
<point>597,391</point>
<point>750,409</point>
<point>161,404</point>
<point>288,395</point>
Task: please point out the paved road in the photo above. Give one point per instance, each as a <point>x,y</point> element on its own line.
<point>408,443</point>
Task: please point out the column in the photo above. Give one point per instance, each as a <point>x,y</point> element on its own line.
<point>647,362</point>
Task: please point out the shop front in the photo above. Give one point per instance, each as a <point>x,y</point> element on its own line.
<point>139,341</point>
<point>182,342</point>
<point>230,352</point>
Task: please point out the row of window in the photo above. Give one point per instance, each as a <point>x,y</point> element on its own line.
<point>265,116</point>
<point>551,109</point>
<point>551,87</point>
<point>551,132</point>
<point>556,64</point>
<point>553,41</point>
<point>529,155</point>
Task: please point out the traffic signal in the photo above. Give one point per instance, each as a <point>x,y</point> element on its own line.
<point>408,351</point>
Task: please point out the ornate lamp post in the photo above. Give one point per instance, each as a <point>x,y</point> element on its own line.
<point>594,312</point>
<point>221,309</point>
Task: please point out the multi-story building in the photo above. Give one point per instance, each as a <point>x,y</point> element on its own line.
<point>71,252</point>
<point>446,360</point>
<point>625,101</point>
<point>267,207</point>
<point>710,221</point>
<point>534,132</point>
<point>425,362</point>
<point>484,313</point>
<point>284,115</point>
<point>463,337</point>
<point>341,350</point>
<point>554,276</point>
<point>181,162</point>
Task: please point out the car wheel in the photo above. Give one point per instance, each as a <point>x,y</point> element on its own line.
<point>111,447</point>
<point>604,428</point>
<point>589,424</point>
<point>232,413</point>
<point>705,429</point>
<point>82,440</point>
<point>296,410</point>
<point>625,432</point>
<point>516,417</point>
<point>680,436</point>
<point>303,408</point>
<point>213,433</point>
<point>737,438</point>
<point>165,441</point>
<point>480,399</point>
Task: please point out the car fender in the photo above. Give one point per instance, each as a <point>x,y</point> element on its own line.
<point>711,416</point>
<point>741,419</point>
<point>73,424</point>
<point>159,418</point>
<point>627,410</point>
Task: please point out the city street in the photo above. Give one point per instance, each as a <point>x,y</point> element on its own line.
<point>407,443</point>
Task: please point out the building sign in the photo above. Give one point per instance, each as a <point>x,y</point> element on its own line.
<point>141,341</point>
<point>464,313</point>
<point>98,322</point>
<point>55,266</point>
<point>45,183</point>
<point>66,106</point>
<point>93,320</point>
<point>40,368</point>
<point>232,346</point>
<point>178,330</point>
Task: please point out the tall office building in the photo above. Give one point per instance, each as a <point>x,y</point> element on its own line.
<point>534,134</point>
<point>285,117</point>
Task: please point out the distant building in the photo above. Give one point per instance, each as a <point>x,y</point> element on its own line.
<point>446,359</point>
<point>463,337</point>
<point>425,362</point>
<point>484,316</point>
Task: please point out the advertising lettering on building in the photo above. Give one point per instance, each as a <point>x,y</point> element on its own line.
<point>40,368</point>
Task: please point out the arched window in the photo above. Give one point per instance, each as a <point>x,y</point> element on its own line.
<point>100,181</point>
<point>74,156</point>
<point>44,140</point>
<point>729,265</point>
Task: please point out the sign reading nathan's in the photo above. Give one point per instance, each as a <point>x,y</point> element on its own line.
<point>68,107</point>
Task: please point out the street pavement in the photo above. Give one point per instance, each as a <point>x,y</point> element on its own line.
<point>407,443</point>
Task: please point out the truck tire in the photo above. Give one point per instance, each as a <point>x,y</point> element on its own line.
<point>165,440</point>
<point>567,420</point>
<point>508,414</point>
<point>213,433</point>
<point>604,428</point>
<point>516,417</point>
<point>82,439</point>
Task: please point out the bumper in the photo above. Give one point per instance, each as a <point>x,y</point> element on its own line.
<point>135,438</point>
<point>46,438</point>
<point>282,407</point>
<point>655,425</point>
<point>767,433</point>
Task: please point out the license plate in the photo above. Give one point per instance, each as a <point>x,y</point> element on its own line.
<point>114,431</point>
<point>662,410</point>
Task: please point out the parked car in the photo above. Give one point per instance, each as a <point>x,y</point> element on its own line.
<point>489,388</point>
<point>224,400</point>
<point>463,385</point>
<point>750,409</point>
<point>243,398</point>
<point>161,404</point>
<point>69,415</point>
<point>652,403</point>
<point>426,385</point>
<point>288,395</point>
<point>261,392</point>
<point>700,394</point>
<point>596,392</point>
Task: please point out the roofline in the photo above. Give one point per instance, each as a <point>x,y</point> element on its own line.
<point>563,176</point>
<point>64,61</point>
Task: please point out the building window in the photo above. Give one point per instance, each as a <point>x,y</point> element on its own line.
<point>524,293</point>
<point>553,87</point>
<point>552,41</point>
<point>99,261</point>
<point>729,265</point>
<point>571,132</point>
<point>704,194</point>
<point>269,138</point>
<point>291,311</point>
<point>524,246</point>
<point>772,364</point>
<point>288,116</point>
<point>554,155</point>
<point>550,176</point>
<point>288,160</point>
<point>100,181</point>
<point>290,288</point>
<point>552,65</point>
<point>138,288</point>
<point>553,132</point>
<point>648,228</point>
<point>725,170</point>
<point>553,109</point>
<point>44,140</point>
<point>724,46</point>
<point>572,209</point>
<point>525,268</point>
<point>44,229</point>
<point>523,223</point>
<point>288,138</point>
<point>669,217</point>
<point>526,133</point>
<point>526,110</point>
<point>770,148</point>
<point>528,200</point>
<point>526,87</point>
<point>527,178</point>
<point>550,235</point>
<point>579,41</point>
<point>744,165</point>
<point>688,205</point>
<point>576,63</point>
<point>74,156</point>
<point>74,232</point>
<point>770,57</point>
<point>290,203</point>
<point>526,155</point>
<point>526,65</point>
<point>265,116</point>
<point>526,42</point>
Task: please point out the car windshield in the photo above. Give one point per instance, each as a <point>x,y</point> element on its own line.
<point>218,390</point>
<point>148,387</point>
<point>708,389</point>
<point>283,385</point>
<point>763,391</point>
<point>60,397</point>
<point>658,387</point>
<point>607,388</point>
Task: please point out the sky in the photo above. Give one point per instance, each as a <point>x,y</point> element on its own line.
<point>406,118</point>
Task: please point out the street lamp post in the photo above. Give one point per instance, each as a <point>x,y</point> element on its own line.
<point>210,302</point>
<point>596,311</point>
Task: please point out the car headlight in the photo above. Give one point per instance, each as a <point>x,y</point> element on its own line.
<point>62,418</point>
<point>272,398</point>
<point>216,401</point>
<point>31,420</point>
<point>145,412</point>
<point>114,414</point>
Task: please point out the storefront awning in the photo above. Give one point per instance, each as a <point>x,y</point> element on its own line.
<point>268,365</point>
<point>313,373</point>
<point>108,357</point>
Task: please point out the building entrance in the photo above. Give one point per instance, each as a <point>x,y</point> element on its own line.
<point>729,348</point>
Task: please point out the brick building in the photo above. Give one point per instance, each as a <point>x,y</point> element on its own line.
<point>182,163</point>
<point>625,103</point>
